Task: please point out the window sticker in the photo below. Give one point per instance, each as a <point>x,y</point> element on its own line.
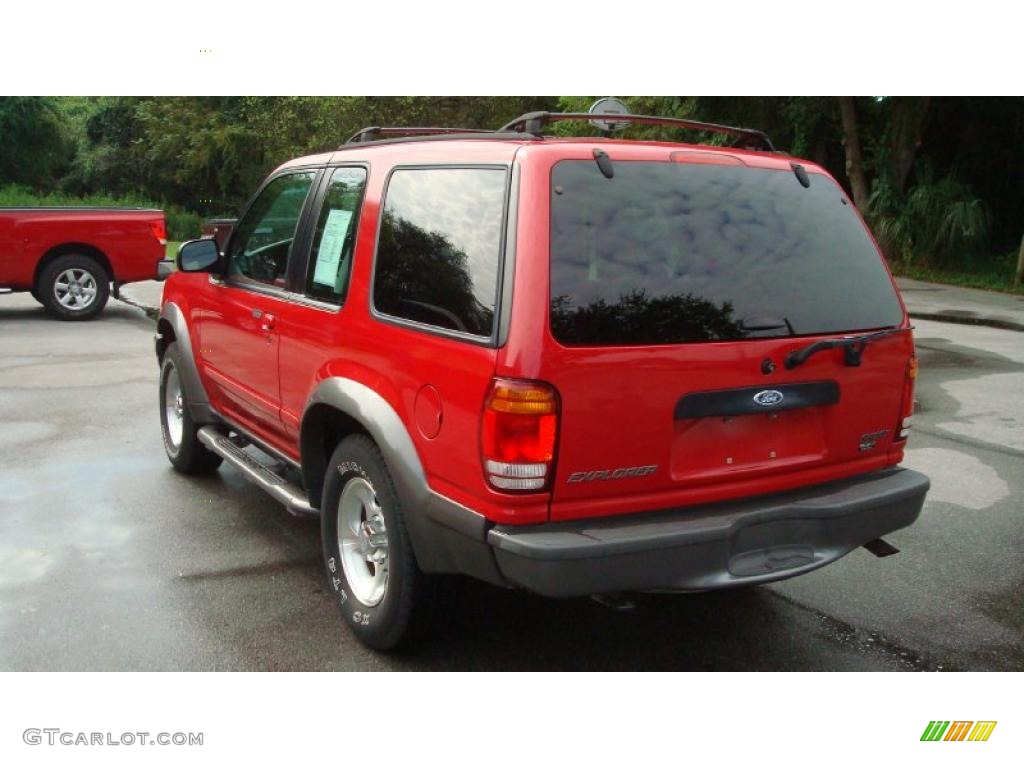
<point>329,254</point>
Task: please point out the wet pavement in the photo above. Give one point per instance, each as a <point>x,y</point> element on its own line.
<point>951,303</point>
<point>110,561</point>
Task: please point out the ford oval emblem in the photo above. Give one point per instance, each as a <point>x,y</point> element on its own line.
<point>769,397</point>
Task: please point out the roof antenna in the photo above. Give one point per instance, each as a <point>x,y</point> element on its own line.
<point>604,163</point>
<point>801,174</point>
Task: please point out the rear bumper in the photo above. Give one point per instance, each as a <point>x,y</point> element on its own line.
<point>164,269</point>
<point>708,547</point>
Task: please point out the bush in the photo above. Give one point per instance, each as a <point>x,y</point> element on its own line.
<point>181,224</point>
<point>937,223</point>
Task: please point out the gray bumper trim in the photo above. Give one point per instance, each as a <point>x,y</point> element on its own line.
<point>704,547</point>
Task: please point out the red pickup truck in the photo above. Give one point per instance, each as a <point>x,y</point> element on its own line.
<point>68,257</point>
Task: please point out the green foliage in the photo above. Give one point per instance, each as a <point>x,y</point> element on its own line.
<point>35,147</point>
<point>934,224</point>
<point>208,154</point>
<point>182,224</point>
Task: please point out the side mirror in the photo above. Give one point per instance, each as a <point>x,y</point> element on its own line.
<point>198,256</point>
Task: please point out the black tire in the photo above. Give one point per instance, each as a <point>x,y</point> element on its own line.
<point>93,274</point>
<point>35,295</point>
<point>404,611</point>
<point>187,454</point>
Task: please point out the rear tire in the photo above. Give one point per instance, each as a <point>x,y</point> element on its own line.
<point>73,287</point>
<point>384,597</point>
<point>181,442</point>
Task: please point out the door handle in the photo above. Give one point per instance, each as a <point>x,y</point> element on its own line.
<point>268,321</point>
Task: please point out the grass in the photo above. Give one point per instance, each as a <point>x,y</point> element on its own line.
<point>15,196</point>
<point>994,278</point>
<point>172,249</point>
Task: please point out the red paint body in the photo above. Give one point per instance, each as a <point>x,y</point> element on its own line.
<point>616,403</point>
<point>125,239</point>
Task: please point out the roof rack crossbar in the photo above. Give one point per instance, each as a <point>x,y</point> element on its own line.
<point>376,132</point>
<point>534,122</point>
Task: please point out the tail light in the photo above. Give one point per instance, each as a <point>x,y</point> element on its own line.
<point>159,230</point>
<point>518,434</point>
<point>907,411</point>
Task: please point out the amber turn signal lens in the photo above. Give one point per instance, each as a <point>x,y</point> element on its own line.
<point>508,396</point>
<point>912,368</point>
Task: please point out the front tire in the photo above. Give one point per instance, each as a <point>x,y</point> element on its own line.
<point>384,597</point>
<point>73,287</point>
<point>181,441</point>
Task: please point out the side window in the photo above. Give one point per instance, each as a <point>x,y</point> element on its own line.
<point>440,247</point>
<point>263,238</point>
<point>335,239</point>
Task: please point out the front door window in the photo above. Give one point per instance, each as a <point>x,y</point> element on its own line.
<point>263,241</point>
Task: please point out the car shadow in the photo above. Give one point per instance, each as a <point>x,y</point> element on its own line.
<point>476,626</point>
<point>491,628</point>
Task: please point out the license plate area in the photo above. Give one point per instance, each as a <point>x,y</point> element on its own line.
<point>716,447</point>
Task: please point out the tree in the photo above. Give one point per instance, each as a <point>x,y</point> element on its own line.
<point>36,150</point>
<point>854,159</point>
<point>907,116</point>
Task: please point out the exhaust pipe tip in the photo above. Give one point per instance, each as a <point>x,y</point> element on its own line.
<point>881,548</point>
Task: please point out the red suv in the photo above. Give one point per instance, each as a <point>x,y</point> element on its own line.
<point>577,366</point>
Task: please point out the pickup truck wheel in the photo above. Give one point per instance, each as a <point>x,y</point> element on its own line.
<point>74,287</point>
<point>186,453</point>
<point>372,572</point>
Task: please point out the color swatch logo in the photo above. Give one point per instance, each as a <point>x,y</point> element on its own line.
<point>958,730</point>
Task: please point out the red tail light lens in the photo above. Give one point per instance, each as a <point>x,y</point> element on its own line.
<point>907,412</point>
<point>159,230</point>
<point>518,434</point>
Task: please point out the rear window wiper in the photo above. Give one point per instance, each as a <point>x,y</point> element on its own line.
<point>853,347</point>
<point>763,323</point>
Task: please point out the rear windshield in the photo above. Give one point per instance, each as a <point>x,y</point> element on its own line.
<point>668,253</point>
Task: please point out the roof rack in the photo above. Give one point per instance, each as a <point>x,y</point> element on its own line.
<point>534,122</point>
<point>376,133</point>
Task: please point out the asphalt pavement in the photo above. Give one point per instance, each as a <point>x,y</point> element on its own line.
<point>111,561</point>
<point>970,306</point>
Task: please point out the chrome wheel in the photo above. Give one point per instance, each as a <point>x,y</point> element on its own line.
<point>363,541</point>
<point>174,408</point>
<point>75,288</point>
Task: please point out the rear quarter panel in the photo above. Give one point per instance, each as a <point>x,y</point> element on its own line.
<point>400,363</point>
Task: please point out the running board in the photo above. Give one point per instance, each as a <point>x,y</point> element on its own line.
<point>293,497</point>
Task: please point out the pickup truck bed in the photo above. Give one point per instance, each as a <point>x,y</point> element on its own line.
<point>68,257</point>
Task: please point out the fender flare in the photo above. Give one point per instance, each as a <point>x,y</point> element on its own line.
<point>446,537</point>
<point>198,401</point>
<point>381,422</point>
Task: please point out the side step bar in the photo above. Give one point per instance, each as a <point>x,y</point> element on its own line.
<point>293,497</point>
